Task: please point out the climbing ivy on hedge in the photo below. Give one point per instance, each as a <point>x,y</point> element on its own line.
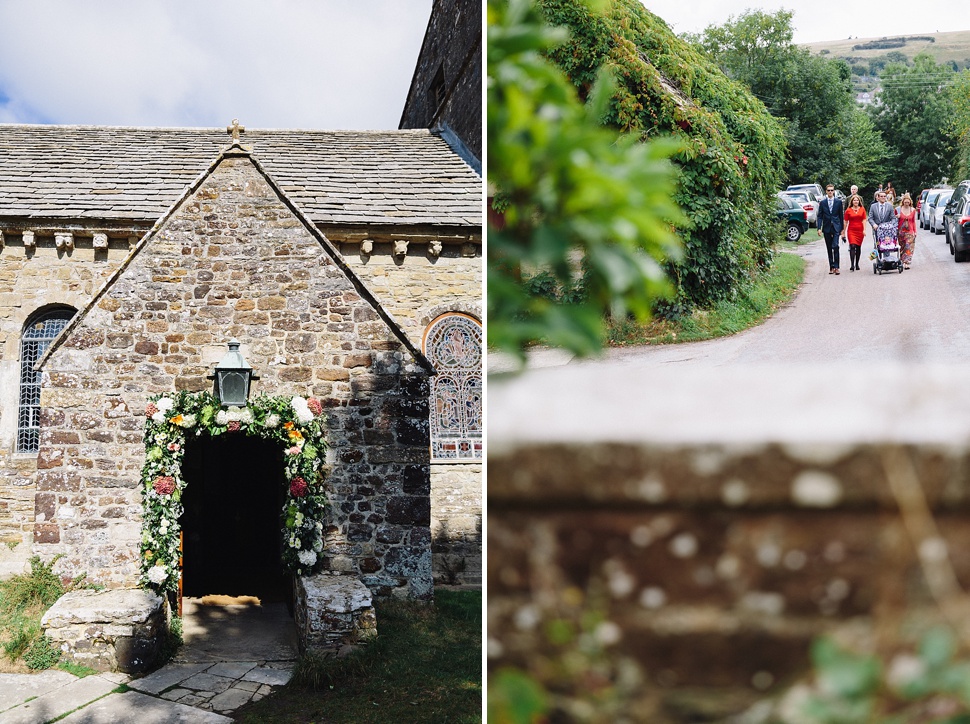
<point>733,149</point>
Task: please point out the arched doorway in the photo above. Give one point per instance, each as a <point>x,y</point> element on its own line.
<point>234,493</point>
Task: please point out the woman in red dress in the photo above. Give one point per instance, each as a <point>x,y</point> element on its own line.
<point>907,230</point>
<point>854,229</point>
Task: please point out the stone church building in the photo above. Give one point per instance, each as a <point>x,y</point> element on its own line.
<point>347,264</point>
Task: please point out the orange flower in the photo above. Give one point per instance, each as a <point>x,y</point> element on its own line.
<point>289,426</point>
<point>177,420</point>
<point>295,435</point>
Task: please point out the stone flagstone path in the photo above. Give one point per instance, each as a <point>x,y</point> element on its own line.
<point>232,655</point>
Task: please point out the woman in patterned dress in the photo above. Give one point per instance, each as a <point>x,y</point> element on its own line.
<point>906,216</point>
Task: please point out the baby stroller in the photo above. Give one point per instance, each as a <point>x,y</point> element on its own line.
<point>886,256</point>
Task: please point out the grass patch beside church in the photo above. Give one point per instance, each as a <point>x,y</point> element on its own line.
<point>754,305</point>
<point>424,666</point>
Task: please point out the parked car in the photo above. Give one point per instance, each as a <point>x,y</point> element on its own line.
<point>949,222</point>
<point>817,188</point>
<point>924,214</point>
<point>806,199</point>
<point>936,211</point>
<point>919,203</point>
<point>959,223</point>
<point>794,216</point>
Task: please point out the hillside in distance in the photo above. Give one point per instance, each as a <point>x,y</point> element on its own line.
<point>943,47</point>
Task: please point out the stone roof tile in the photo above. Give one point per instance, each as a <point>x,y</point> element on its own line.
<point>374,177</point>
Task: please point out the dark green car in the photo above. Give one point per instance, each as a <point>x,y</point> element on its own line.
<point>795,217</point>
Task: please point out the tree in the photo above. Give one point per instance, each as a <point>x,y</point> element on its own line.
<point>914,116</point>
<point>569,189</point>
<point>812,94</point>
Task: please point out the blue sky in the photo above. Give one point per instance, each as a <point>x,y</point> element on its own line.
<point>818,21</point>
<point>331,64</point>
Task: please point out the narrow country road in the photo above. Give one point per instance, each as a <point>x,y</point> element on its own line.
<point>921,315</point>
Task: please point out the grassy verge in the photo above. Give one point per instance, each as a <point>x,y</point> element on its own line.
<point>754,304</point>
<point>424,666</point>
<point>24,599</point>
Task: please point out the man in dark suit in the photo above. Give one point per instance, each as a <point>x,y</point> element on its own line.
<point>829,222</point>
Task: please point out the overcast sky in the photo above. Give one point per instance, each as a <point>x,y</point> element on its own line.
<point>323,64</point>
<point>817,21</point>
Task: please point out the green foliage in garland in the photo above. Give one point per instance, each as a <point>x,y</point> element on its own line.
<point>296,424</point>
<point>733,150</point>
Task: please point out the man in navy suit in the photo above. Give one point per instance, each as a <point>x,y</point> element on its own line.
<point>829,222</point>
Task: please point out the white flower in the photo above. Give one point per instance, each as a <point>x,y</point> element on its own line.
<point>318,545</point>
<point>295,542</point>
<point>246,416</point>
<point>272,420</point>
<point>157,574</point>
<point>299,405</point>
<point>222,417</point>
<point>307,558</point>
<point>159,416</point>
<point>188,421</point>
<point>164,404</point>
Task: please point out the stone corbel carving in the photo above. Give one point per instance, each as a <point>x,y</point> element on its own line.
<point>132,242</point>
<point>29,241</point>
<point>1,239</point>
<point>400,247</point>
<point>64,241</point>
<point>468,249</point>
<point>366,247</point>
<point>100,240</point>
<point>434,249</point>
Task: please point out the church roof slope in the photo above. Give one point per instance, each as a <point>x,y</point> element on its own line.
<point>394,178</point>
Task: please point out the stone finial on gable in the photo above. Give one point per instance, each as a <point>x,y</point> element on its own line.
<point>234,129</point>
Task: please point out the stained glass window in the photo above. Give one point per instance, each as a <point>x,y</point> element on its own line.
<point>38,334</point>
<point>453,344</point>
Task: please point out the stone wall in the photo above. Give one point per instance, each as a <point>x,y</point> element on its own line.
<point>421,285</point>
<point>32,278</point>
<point>453,43</point>
<point>719,521</point>
<point>234,261</point>
<point>456,523</point>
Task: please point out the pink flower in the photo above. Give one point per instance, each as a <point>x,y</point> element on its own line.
<point>233,426</point>
<point>164,485</point>
<point>295,450</point>
<point>150,409</point>
<point>173,446</point>
<point>315,406</point>
<point>298,487</point>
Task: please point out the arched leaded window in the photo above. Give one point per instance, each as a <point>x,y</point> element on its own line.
<point>453,344</point>
<point>39,332</point>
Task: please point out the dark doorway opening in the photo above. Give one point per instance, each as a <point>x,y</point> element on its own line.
<point>232,545</point>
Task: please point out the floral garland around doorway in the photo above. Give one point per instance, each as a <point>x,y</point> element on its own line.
<point>296,423</point>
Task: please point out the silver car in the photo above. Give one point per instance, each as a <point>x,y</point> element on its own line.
<point>936,211</point>
<point>924,209</point>
<point>805,199</point>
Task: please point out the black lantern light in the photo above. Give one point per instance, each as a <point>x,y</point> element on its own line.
<point>232,377</point>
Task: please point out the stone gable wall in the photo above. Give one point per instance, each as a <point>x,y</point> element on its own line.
<point>233,261</point>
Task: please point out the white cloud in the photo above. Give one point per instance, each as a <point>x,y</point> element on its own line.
<point>282,64</point>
